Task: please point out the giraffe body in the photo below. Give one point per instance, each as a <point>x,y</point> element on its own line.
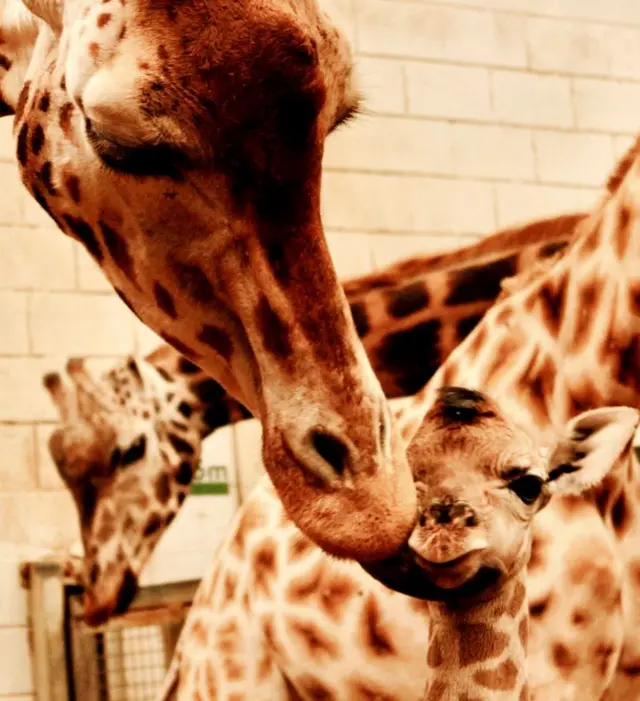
<point>275,615</point>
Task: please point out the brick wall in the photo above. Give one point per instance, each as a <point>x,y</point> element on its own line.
<point>479,113</point>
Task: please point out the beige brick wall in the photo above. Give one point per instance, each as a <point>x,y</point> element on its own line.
<point>479,113</point>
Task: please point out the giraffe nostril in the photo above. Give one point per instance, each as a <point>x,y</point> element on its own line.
<point>330,449</point>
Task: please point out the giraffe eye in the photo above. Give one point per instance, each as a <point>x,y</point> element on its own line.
<point>527,488</point>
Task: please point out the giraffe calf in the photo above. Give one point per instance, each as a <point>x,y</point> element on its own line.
<point>278,618</point>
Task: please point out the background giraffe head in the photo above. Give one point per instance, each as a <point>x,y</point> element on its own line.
<point>127,454</point>
<point>481,479</point>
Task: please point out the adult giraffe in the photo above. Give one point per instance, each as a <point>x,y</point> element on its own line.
<point>181,143</point>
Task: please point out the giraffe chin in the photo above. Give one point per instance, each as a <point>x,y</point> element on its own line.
<point>99,609</point>
<point>468,579</point>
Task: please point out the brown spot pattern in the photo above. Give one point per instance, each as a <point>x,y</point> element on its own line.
<point>376,639</point>
<point>502,678</point>
<point>264,565</point>
<point>194,281</point>
<point>274,330</point>
<point>72,184</point>
<point>217,339</point>
<point>523,631</point>
<point>622,231</point>
<point>164,300</point>
<point>563,658</point>
<point>335,594</point>
<point>312,639</point>
<point>479,642</point>
<point>118,249</point>
<point>517,600</point>
<point>434,654</point>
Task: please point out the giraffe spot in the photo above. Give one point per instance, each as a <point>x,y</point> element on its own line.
<point>22,101</point>
<point>264,565</point>
<point>524,694</point>
<point>134,452</point>
<point>359,314</point>
<point>480,642</point>
<point>5,63</point>
<point>434,654</point>
<point>412,355</point>
<point>37,140</point>
<point>480,282</point>
<point>580,618</point>
<point>274,330</point>
<point>504,357</point>
<point>118,249</point>
<point>335,593</point>
<point>466,325</point>
<point>517,600</point>
<point>478,339</point>
<point>45,177</point>
<point>299,546</point>
<point>211,684</point>
<point>314,689</point>
<point>436,689</point>
<point>162,488</point>
<point>622,231</point>
<point>552,298</point>
<point>199,633</point>
<point>21,150</point>
<point>588,299</point>
<point>603,654</point>
<point>503,677</point>
<point>94,51</point>
<point>407,300</point>
<point>312,639</point>
<point>376,639</point>
<point>164,300</point>
<point>306,586</point>
<point>106,531</point>
<point>265,665</point>
<point>230,587</point>
<point>103,19</point>
<point>186,367</point>
<point>85,234</point>
<point>45,101</point>
<point>185,409</point>
<point>217,339</point>
<point>208,391</point>
<point>179,345</point>
<point>180,445</point>
<point>537,382</point>
<point>184,474</point>
<point>620,514</point>
<point>252,518</point>
<point>563,658</point>
<point>523,631</point>
<point>66,112</point>
<point>154,524</point>
<point>590,240</point>
<point>194,281</point>
<point>366,691</point>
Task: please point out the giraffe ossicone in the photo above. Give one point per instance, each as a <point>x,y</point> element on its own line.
<point>436,299</point>
<point>275,613</point>
<point>181,144</point>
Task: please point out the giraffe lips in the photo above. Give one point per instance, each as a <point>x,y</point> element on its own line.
<point>451,574</point>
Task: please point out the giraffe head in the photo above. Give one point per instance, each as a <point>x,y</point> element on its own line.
<point>127,454</point>
<point>481,480</point>
<point>182,144</point>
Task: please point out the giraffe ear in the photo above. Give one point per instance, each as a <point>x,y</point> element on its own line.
<point>590,446</point>
<point>51,12</point>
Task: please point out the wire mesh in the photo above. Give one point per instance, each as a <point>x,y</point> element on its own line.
<point>129,664</point>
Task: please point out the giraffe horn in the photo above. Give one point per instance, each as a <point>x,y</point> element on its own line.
<point>49,11</point>
<point>62,399</point>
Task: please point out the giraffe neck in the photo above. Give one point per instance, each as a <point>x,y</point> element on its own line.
<point>391,306</point>
<point>479,652</point>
